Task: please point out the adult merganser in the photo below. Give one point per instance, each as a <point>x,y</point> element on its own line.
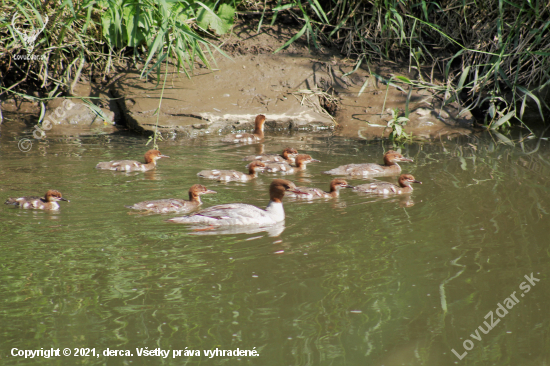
<point>373,170</point>
<point>49,202</point>
<point>257,136</point>
<point>288,155</point>
<point>301,161</point>
<point>386,188</point>
<point>151,158</point>
<point>234,175</point>
<point>174,204</point>
<point>243,214</point>
<point>309,193</point>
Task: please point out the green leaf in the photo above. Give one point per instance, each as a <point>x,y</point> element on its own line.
<point>503,138</point>
<point>219,23</point>
<point>463,78</point>
<point>532,96</point>
<point>295,37</point>
<point>403,79</point>
<point>503,120</point>
<point>398,130</point>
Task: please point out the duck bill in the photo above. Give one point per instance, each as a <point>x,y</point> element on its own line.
<point>348,186</point>
<point>416,181</point>
<point>209,191</point>
<point>315,161</point>
<point>63,199</point>
<point>163,156</point>
<point>406,159</point>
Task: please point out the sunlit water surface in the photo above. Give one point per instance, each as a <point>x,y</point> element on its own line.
<point>350,281</point>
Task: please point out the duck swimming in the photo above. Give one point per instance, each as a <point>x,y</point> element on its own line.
<point>386,188</point>
<point>390,167</point>
<point>288,155</point>
<point>49,202</point>
<point>301,161</point>
<point>257,136</point>
<point>151,158</point>
<point>243,214</point>
<point>234,175</point>
<point>311,193</point>
<point>174,204</point>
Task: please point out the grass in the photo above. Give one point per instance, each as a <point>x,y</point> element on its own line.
<point>493,55</point>
<point>490,55</point>
<point>91,38</point>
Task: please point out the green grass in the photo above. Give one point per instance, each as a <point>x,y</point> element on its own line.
<point>490,54</point>
<point>93,37</point>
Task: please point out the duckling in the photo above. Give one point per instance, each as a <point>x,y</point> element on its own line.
<point>174,204</point>
<point>386,188</point>
<point>257,136</point>
<point>234,175</point>
<point>151,158</point>
<point>49,202</point>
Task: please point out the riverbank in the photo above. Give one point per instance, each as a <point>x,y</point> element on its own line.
<point>298,88</point>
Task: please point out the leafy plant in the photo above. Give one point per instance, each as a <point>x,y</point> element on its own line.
<point>397,124</point>
<point>481,49</point>
<point>93,36</point>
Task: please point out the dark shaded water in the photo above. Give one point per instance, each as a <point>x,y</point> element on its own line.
<point>351,281</point>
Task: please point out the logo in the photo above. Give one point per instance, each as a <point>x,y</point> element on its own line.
<point>28,37</point>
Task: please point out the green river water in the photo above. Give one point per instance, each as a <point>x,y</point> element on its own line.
<point>357,280</point>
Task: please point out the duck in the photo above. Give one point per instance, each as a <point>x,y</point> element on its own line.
<point>234,214</point>
<point>257,136</point>
<point>288,155</point>
<point>390,167</point>
<point>234,175</point>
<point>49,202</point>
<point>174,204</point>
<point>151,158</point>
<point>311,193</point>
<point>301,161</point>
<point>387,188</point>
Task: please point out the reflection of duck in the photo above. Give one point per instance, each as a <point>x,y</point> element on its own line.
<point>151,158</point>
<point>174,204</point>
<point>257,136</point>
<point>310,193</point>
<point>234,175</point>
<point>271,230</point>
<point>49,202</point>
<point>243,214</point>
<point>386,188</point>
<point>389,168</point>
<point>288,155</point>
<point>301,161</point>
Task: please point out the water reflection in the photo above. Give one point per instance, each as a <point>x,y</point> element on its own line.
<point>272,230</point>
<point>354,280</point>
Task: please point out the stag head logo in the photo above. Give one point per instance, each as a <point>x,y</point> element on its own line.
<point>28,36</point>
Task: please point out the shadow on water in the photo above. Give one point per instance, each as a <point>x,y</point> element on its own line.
<point>349,281</point>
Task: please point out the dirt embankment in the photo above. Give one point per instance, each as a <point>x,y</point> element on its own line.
<point>297,88</point>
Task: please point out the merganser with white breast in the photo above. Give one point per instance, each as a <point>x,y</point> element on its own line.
<point>311,193</point>
<point>301,161</point>
<point>257,136</point>
<point>234,175</point>
<point>151,158</point>
<point>174,204</point>
<point>288,155</point>
<point>389,168</point>
<point>243,214</point>
<point>49,202</point>
<point>386,188</point>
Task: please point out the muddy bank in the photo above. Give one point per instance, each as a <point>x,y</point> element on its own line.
<point>297,89</point>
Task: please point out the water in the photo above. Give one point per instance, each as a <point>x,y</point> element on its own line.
<point>352,281</point>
